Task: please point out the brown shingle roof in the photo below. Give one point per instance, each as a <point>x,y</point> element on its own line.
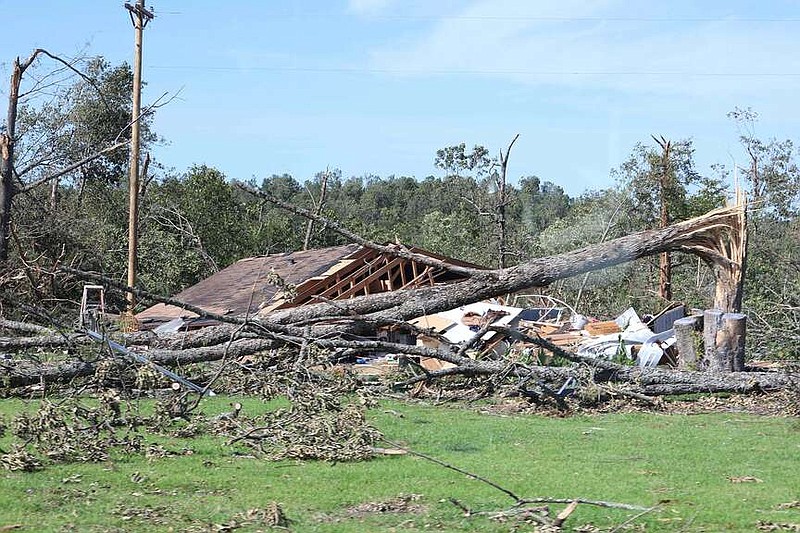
<point>242,288</point>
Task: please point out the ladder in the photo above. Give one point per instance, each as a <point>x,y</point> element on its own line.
<point>93,304</point>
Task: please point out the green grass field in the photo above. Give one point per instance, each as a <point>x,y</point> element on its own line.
<point>688,465</point>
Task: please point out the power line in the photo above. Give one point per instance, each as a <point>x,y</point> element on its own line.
<point>585,19</point>
<point>348,70</point>
<point>306,16</point>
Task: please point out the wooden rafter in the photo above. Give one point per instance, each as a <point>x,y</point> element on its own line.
<point>348,281</point>
<point>367,281</point>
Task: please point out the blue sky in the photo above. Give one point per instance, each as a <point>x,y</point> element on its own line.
<point>377,86</point>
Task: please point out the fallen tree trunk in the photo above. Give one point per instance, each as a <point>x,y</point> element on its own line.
<point>42,341</point>
<point>15,374</point>
<point>647,381</point>
<point>692,236</point>
<point>25,373</point>
<point>24,327</point>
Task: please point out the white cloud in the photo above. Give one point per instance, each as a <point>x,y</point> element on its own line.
<point>599,44</point>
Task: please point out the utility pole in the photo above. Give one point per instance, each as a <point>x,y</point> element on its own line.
<point>140,16</point>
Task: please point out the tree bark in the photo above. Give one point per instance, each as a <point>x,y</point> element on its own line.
<point>665,263</point>
<point>24,327</point>
<point>42,341</point>
<point>731,341</point>
<point>500,206</point>
<point>7,142</point>
<point>24,373</point>
<point>687,341</point>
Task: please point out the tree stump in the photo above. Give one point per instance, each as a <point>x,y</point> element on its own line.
<point>724,336</point>
<point>733,339</point>
<point>687,341</point>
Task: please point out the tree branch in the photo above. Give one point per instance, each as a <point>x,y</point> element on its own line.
<point>394,251</point>
<point>73,166</point>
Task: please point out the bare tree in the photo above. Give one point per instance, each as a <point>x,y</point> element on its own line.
<point>665,264</point>
<point>319,203</point>
<point>500,205</point>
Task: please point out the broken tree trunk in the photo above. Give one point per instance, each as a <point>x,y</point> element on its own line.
<point>700,236</point>
<point>15,344</point>
<point>688,341</point>
<point>724,337</point>
<point>729,273</point>
<point>24,327</point>
<point>712,325</point>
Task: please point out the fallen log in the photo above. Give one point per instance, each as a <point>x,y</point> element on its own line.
<point>15,374</point>
<point>24,327</point>
<point>648,381</point>
<point>42,341</point>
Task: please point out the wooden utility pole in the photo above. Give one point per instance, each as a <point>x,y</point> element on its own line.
<point>140,16</point>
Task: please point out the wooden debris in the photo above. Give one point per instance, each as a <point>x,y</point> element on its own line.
<point>602,328</point>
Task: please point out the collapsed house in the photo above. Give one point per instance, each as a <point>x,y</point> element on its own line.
<point>257,286</point>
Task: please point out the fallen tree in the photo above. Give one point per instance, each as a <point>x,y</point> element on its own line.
<point>345,326</point>
<point>644,381</point>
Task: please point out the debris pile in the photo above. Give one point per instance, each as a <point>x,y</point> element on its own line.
<point>317,426</point>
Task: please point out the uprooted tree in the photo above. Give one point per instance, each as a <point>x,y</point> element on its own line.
<point>347,326</point>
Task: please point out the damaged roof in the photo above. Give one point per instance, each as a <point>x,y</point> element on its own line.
<point>248,287</point>
<point>243,287</point>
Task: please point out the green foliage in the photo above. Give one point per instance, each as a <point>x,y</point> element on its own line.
<point>772,176</point>
<point>79,218</point>
<point>77,119</point>
<point>772,284</point>
<point>455,160</point>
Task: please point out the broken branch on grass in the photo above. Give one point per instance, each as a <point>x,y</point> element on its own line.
<point>454,468</point>
<point>595,503</point>
<point>571,503</point>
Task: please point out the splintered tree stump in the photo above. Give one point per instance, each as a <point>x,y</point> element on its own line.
<point>734,335</point>
<point>712,324</point>
<point>724,336</point>
<point>687,341</point>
